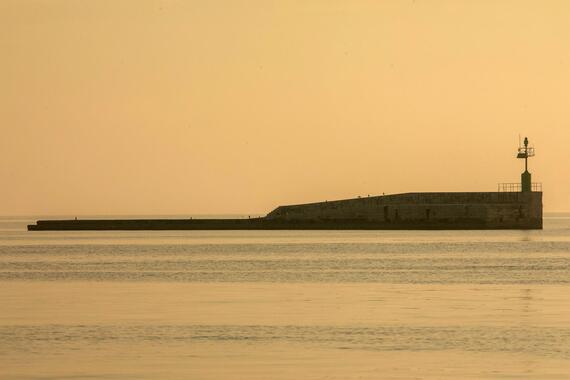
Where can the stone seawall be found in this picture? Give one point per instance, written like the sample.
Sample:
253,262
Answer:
410,211
490,208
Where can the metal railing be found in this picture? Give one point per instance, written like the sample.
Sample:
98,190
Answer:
517,187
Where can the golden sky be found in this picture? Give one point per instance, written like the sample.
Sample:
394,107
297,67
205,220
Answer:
209,107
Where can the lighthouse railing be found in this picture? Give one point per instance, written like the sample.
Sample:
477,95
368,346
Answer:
514,187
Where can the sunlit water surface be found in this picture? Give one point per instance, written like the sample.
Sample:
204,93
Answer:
285,304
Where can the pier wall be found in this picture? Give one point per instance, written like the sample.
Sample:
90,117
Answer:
411,211
498,209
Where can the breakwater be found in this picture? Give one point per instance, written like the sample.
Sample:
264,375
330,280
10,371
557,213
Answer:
421,211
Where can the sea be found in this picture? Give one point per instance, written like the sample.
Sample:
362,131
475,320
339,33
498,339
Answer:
285,304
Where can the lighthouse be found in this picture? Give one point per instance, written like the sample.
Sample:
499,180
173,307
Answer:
525,152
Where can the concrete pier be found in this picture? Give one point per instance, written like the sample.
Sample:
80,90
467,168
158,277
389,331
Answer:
408,211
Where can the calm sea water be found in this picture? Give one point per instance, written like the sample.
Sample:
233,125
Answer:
285,304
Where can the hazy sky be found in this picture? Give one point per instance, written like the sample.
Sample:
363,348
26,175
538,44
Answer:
193,107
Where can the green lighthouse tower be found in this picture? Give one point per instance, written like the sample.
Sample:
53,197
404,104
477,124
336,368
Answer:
525,152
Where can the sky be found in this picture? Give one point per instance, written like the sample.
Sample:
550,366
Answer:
235,107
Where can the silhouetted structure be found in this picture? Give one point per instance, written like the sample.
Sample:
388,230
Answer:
526,152
513,206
